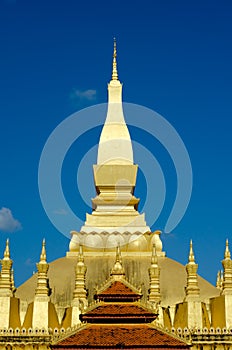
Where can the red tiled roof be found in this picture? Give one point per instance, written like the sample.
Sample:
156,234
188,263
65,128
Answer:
119,313
118,290
112,336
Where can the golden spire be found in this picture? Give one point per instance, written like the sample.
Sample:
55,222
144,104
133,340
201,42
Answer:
191,254
7,250
154,276
43,256
43,288
227,271
80,255
118,269
118,255
6,277
80,292
192,289
154,259
227,251
114,71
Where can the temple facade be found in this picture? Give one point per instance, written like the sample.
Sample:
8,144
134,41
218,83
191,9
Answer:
115,288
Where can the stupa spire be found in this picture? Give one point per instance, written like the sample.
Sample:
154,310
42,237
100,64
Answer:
79,301
115,145
6,275
7,251
227,271
42,279
227,251
118,270
7,289
80,292
43,256
114,70
192,288
191,254
42,293
154,275
115,217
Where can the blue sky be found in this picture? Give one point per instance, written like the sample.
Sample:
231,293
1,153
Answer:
174,58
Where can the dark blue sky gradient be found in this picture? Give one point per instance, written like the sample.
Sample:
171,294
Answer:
173,56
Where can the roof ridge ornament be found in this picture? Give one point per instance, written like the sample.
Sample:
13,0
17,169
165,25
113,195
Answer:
118,270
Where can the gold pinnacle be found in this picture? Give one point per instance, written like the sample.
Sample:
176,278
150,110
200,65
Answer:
80,254
43,252
227,251
154,260
191,254
7,250
118,254
114,71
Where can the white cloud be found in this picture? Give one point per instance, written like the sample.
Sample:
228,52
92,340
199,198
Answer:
80,95
7,222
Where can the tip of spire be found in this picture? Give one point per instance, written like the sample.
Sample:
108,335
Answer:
7,250
154,259
118,268
115,45
118,253
191,254
80,258
227,251
43,252
114,70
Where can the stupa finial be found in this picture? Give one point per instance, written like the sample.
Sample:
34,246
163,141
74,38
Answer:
154,276
154,259
7,250
43,288
227,271
227,250
43,252
191,253
118,269
192,289
114,70
5,275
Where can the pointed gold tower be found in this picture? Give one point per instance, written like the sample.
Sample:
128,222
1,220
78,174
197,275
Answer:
118,271
42,290
227,271
154,295
6,288
40,316
9,305
114,219
115,145
79,302
80,292
192,289
222,306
